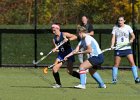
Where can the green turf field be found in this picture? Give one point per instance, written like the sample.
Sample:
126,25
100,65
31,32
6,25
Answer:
32,84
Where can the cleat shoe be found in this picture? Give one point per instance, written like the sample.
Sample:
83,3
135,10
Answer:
137,80
56,86
80,86
114,81
104,86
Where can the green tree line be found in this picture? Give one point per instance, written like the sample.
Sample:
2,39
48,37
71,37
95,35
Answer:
67,11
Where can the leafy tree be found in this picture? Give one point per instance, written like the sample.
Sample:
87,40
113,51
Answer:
67,11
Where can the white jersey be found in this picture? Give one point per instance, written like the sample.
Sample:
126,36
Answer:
88,40
122,35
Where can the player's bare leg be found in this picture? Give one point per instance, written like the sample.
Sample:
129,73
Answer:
56,74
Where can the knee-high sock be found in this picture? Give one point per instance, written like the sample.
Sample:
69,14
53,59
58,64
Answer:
134,72
82,76
76,74
98,79
57,78
114,72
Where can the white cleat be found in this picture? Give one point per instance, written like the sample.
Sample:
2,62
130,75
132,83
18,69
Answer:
114,81
56,86
80,86
104,86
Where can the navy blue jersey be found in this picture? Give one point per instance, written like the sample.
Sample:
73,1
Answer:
66,46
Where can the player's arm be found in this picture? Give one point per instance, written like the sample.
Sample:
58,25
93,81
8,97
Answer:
69,36
113,40
73,52
55,47
88,46
132,37
54,43
88,50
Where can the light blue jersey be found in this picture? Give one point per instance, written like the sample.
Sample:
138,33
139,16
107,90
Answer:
88,40
96,59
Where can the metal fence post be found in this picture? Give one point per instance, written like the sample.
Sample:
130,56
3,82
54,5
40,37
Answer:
0,50
100,40
133,26
138,50
35,31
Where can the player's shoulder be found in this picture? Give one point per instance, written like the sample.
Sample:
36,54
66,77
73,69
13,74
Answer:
115,27
65,33
89,38
127,26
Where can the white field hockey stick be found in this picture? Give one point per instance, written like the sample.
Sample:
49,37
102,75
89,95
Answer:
47,54
108,49
118,46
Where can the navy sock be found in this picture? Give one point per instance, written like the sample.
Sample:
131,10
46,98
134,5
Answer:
57,78
76,74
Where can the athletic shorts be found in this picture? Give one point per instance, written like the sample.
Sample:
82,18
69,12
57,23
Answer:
61,55
123,53
96,60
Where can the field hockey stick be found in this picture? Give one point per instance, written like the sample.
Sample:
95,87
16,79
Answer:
45,70
112,48
108,49
47,54
118,47
56,63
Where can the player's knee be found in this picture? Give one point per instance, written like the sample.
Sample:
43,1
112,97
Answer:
116,65
81,66
92,71
54,70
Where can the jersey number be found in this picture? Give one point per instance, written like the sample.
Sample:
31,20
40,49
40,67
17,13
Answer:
62,49
122,39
